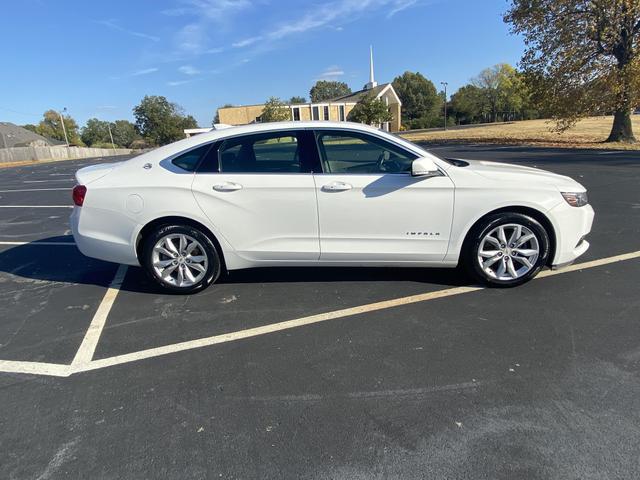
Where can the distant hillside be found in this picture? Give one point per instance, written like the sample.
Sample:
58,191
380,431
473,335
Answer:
12,135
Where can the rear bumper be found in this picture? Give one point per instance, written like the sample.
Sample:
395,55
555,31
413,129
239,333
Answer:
572,225
96,241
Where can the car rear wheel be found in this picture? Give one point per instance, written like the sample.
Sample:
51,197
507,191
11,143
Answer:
507,249
180,259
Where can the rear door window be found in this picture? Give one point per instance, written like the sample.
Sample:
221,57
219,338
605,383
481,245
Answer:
274,152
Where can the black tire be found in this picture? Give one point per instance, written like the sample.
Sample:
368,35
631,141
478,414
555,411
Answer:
470,254
206,247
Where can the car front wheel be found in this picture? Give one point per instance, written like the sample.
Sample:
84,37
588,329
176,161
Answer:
180,259
507,249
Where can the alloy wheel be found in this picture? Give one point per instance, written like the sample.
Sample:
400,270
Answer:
508,252
179,260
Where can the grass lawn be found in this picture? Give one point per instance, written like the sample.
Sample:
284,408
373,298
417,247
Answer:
588,133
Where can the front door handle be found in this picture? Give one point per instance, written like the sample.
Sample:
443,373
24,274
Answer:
227,187
337,187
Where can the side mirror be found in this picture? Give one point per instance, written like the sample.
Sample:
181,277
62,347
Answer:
423,166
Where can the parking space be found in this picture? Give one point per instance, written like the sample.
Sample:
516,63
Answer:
320,373
31,224
48,294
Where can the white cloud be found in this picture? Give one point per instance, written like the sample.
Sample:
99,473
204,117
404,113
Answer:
192,39
176,83
246,42
144,71
334,13
400,5
217,10
137,73
114,26
188,70
332,72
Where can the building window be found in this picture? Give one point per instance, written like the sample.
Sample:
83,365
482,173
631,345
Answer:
326,113
315,113
258,120
296,114
341,108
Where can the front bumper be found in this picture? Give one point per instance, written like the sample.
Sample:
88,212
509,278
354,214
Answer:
571,225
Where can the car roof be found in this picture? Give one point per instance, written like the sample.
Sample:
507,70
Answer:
197,140
275,126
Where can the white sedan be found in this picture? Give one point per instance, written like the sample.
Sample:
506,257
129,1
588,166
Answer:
322,193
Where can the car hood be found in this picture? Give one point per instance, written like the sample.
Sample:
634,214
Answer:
506,172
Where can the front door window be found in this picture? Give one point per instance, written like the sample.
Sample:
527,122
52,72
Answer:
355,152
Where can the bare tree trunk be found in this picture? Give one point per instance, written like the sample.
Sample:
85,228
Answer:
622,130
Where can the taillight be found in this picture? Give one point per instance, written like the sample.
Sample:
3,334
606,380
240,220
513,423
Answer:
79,192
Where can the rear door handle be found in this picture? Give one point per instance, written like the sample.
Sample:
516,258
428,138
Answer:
227,187
337,187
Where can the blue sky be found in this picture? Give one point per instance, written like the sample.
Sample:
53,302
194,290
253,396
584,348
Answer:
99,58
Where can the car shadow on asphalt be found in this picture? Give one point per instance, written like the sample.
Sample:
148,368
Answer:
61,263
438,276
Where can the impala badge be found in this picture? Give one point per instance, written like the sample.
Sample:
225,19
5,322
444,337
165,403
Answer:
423,234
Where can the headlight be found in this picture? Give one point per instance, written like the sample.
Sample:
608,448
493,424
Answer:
576,199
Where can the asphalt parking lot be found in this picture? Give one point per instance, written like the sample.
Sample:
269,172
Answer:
333,373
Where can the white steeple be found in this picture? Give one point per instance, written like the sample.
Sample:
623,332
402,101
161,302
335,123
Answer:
372,82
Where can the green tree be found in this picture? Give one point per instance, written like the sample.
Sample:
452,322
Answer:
582,58
95,131
275,110
467,104
295,100
328,89
503,92
188,122
488,83
418,95
51,126
124,133
159,121
370,110
31,127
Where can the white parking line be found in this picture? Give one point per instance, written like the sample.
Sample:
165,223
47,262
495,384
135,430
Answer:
48,181
90,340
35,368
82,361
36,206
323,317
36,190
274,327
36,242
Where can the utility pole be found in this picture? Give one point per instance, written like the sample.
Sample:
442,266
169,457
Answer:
445,103
113,145
64,129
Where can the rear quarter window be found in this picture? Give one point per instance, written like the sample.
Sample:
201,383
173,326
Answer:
189,160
